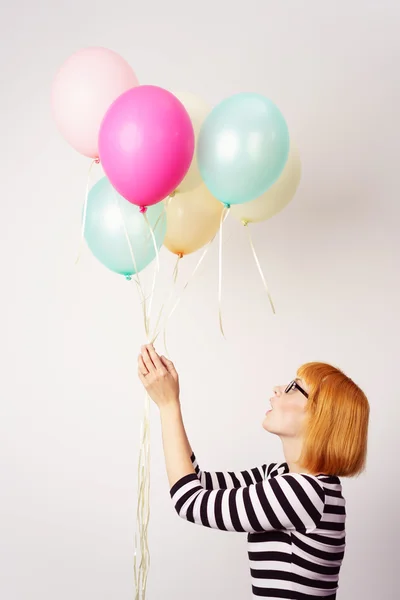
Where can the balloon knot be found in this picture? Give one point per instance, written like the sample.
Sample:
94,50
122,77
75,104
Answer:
180,255
97,160
227,205
143,209
128,277
244,222
172,194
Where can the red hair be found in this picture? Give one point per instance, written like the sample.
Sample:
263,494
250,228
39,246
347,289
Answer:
336,434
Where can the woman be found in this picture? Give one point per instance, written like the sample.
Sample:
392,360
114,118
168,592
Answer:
294,512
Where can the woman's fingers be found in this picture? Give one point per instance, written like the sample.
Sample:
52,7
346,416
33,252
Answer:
158,376
155,359
168,364
142,378
148,360
143,370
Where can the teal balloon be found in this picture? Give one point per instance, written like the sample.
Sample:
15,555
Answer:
106,234
242,148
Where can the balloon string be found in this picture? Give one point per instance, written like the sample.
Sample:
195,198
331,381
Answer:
153,238
197,267
176,268
160,216
141,570
174,276
257,261
156,272
166,302
95,161
174,281
163,213
143,475
143,508
141,547
224,215
141,567
155,331
136,277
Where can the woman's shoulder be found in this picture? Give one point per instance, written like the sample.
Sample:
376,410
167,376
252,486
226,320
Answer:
275,469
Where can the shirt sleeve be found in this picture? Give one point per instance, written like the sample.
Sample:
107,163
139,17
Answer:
225,480
293,502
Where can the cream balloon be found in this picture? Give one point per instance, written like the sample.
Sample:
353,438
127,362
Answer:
276,197
193,219
198,110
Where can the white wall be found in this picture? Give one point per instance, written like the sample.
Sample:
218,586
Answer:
70,401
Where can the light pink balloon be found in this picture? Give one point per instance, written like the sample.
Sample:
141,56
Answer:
146,144
84,88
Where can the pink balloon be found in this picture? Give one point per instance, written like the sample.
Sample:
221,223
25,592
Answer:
146,144
84,88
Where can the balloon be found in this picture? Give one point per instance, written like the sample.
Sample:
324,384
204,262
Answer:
277,197
146,144
243,147
193,219
105,232
86,85
198,109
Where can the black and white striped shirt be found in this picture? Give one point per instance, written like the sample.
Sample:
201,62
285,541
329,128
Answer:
295,524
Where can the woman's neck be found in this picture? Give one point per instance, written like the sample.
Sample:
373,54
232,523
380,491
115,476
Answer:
292,448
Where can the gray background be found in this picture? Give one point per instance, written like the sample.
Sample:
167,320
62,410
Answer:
70,401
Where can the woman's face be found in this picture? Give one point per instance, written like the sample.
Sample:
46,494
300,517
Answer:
287,416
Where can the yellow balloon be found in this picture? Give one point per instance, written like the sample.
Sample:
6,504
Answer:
193,219
276,197
198,110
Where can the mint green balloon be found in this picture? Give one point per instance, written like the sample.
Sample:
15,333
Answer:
105,233
242,148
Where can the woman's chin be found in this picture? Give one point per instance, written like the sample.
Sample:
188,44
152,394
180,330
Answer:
267,423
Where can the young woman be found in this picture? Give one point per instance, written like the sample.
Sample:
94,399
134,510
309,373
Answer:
293,512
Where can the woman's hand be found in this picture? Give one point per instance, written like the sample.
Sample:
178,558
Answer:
161,381
159,377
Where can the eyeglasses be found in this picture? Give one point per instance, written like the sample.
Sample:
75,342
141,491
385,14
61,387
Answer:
293,385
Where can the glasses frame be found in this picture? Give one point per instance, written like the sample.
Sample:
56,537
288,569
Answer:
294,385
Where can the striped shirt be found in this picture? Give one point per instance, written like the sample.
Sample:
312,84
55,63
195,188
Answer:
295,524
